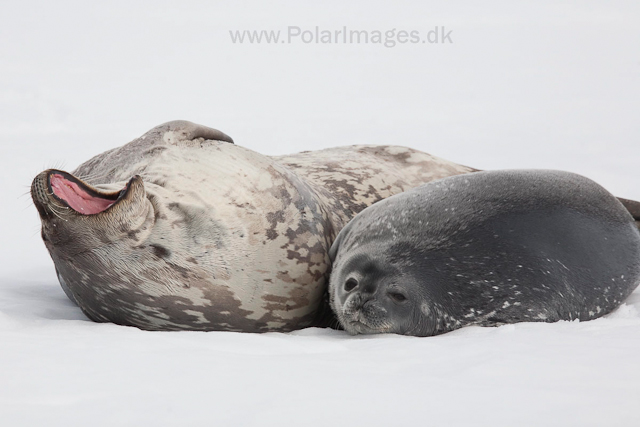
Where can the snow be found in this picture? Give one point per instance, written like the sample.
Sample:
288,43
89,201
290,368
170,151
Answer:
540,85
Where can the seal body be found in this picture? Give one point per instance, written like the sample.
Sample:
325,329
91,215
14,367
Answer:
181,229
484,249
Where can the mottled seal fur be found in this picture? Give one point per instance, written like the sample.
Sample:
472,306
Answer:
484,249
183,230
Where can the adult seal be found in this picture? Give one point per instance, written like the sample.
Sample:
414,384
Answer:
485,249
181,229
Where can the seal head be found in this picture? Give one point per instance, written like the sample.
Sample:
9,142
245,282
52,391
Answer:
376,298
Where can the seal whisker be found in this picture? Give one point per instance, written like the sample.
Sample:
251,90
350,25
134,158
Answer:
29,205
56,212
53,211
57,164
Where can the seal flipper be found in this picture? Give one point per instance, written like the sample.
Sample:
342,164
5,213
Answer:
325,316
188,131
633,207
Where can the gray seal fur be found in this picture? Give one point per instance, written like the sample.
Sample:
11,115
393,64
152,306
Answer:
206,235
485,249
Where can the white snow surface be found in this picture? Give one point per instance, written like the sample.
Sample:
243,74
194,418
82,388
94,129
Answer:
546,84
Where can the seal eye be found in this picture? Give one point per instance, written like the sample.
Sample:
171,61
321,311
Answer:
397,296
350,284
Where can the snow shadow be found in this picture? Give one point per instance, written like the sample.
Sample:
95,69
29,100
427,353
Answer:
36,300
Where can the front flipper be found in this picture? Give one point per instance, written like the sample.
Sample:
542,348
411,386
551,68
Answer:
184,130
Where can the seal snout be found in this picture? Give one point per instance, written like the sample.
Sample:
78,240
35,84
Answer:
40,194
65,190
362,313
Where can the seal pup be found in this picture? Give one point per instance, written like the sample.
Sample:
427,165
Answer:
181,229
485,249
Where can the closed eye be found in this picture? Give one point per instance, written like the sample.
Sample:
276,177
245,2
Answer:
397,296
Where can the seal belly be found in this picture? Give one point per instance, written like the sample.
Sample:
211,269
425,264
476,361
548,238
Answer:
535,266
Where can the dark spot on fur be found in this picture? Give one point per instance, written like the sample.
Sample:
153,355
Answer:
160,251
274,218
185,273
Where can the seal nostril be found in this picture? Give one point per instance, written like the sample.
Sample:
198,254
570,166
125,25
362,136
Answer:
350,284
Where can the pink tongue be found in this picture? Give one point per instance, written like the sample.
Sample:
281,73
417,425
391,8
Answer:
78,199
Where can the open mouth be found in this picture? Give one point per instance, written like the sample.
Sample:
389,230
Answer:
79,196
